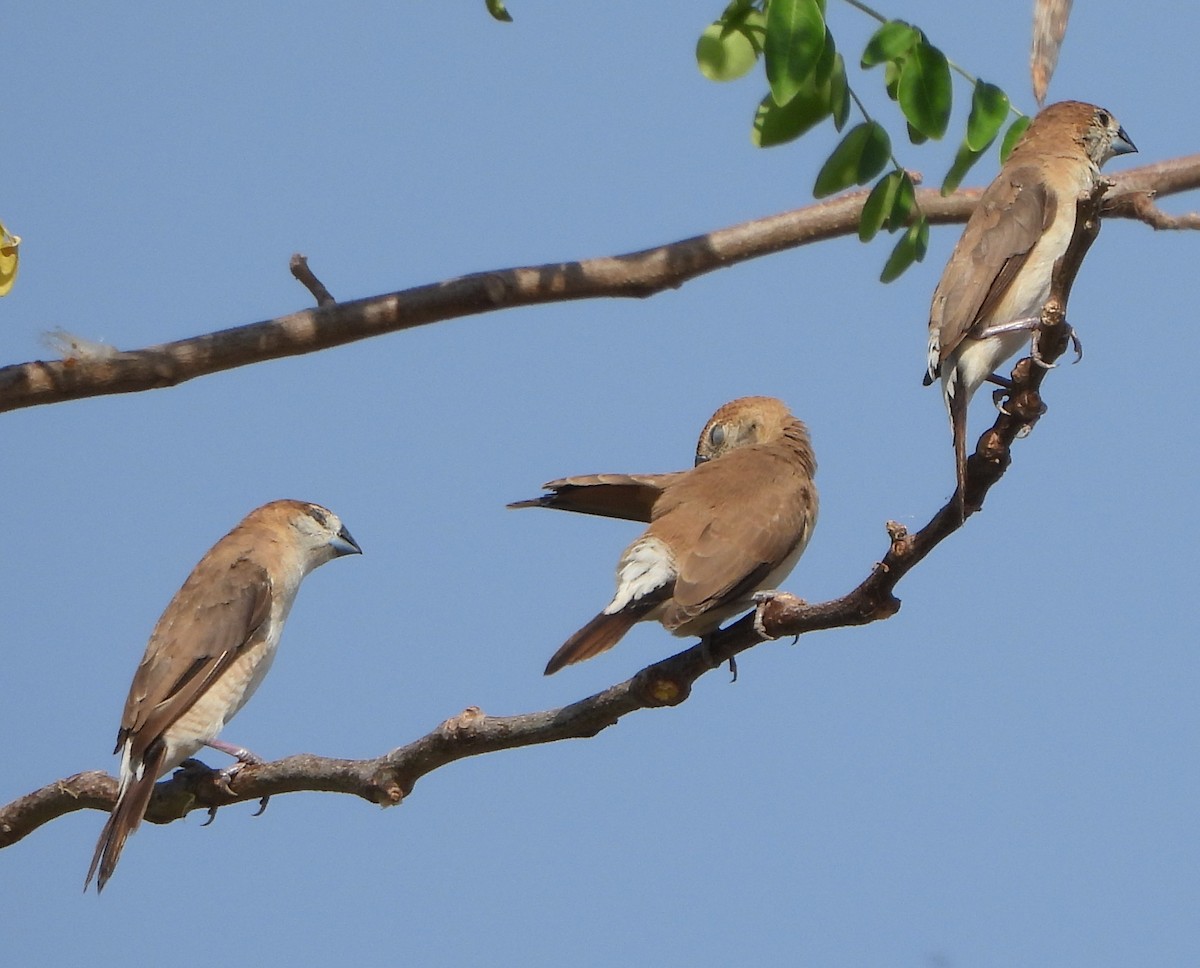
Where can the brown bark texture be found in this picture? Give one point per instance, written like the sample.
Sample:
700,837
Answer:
634,274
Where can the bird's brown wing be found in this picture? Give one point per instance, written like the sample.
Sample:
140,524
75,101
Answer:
211,621
630,497
1012,215
731,523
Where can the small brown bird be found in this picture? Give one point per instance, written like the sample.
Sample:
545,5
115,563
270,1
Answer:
734,524
210,650
997,281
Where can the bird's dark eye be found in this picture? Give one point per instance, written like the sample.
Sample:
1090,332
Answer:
1103,118
318,515
716,436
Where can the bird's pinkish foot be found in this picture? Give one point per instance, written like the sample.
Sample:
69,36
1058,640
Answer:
762,599
1021,325
1036,353
226,776
239,753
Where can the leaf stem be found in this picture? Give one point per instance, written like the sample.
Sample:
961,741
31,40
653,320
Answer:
862,109
869,11
962,72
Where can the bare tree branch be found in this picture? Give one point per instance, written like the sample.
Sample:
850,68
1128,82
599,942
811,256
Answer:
1140,205
387,779
635,274
305,276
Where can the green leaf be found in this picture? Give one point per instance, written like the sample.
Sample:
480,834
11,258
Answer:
775,125
811,104
795,38
1012,136
728,49
878,205
989,108
890,42
963,160
911,248
861,156
891,78
902,207
826,62
497,10
915,136
925,90
839,93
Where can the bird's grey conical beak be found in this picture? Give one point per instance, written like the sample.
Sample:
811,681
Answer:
702,459
344,544
1122,144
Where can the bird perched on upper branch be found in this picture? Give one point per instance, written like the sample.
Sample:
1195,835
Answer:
734,524
210,650
997,281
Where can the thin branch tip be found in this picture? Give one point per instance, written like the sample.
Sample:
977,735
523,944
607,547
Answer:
298,264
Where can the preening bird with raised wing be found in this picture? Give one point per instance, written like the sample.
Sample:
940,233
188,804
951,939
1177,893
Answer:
993,289
210,650
733,525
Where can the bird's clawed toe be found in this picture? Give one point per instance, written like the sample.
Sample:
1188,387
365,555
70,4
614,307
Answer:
762,599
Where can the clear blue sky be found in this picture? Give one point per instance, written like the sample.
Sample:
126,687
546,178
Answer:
1003,774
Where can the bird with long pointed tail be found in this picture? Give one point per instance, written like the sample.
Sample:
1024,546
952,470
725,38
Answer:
733,525
992,291
210,650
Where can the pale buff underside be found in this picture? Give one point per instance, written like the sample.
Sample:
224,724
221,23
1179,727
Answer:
974,360
221,702
224,697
